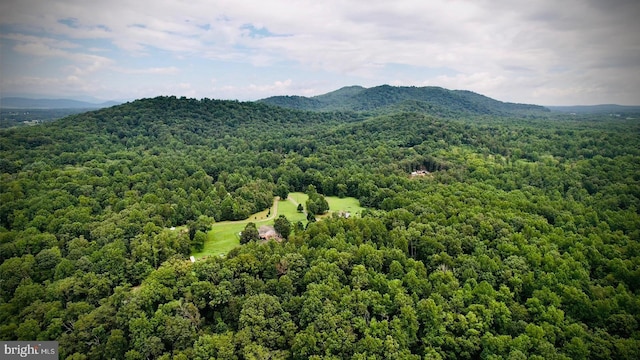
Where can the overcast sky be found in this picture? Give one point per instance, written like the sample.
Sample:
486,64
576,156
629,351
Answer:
546,52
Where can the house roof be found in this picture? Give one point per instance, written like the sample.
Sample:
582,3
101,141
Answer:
267,232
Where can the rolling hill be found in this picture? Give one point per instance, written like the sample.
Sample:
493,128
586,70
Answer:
389,99
520,240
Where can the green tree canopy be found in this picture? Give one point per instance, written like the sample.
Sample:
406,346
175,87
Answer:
282,226
250,233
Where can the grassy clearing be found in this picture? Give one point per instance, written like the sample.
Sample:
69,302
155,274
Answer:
221,239
289,209
224,236
347,204
298,197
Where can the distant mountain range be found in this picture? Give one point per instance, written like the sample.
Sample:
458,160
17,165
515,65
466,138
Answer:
597,109
387,99
382,99
26,103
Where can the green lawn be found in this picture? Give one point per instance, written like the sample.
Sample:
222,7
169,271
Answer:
224,235
289,209
221,239
347,204
300,198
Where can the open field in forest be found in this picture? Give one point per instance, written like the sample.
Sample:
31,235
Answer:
224,235
298,197
347,204
289,209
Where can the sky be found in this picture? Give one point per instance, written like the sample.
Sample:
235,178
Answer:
548,52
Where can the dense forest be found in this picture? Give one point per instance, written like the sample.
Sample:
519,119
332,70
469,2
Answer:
520,238
391,99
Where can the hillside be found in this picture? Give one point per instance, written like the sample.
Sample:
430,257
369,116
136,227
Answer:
519,241
389,99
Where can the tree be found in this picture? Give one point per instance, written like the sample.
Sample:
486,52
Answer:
310,217
46,261
116,344
323,205
262,321
220,346
203,223
198,240
28,330
227,208
282,226
250,233
282,191
317,204
300,208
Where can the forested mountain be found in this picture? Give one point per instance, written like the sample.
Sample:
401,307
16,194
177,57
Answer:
520,240
389,99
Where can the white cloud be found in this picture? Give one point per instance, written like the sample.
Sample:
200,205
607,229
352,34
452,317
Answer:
69,85
29,39
278,86
81,63
170,70
253,91
544,51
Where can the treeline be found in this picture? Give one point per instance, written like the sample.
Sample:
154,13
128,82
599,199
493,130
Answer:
522,242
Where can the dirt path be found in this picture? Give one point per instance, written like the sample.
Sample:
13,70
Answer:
274,209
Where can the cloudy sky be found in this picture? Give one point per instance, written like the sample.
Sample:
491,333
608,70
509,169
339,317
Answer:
546,52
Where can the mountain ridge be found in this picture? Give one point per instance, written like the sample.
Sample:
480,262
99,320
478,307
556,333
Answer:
386,98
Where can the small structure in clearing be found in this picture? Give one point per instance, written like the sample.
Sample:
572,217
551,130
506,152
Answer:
420,173
268,232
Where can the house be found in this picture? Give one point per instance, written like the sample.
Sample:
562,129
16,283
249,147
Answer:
267,232
420,173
